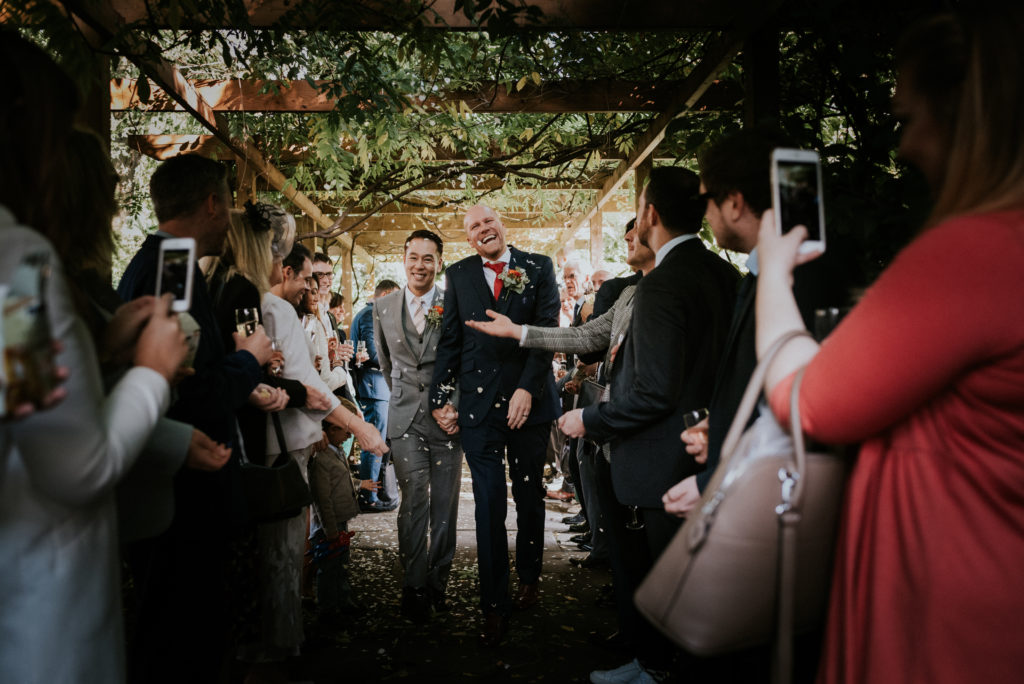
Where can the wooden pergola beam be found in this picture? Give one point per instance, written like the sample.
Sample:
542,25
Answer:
243,95
162,147
600,15
106,21
701,76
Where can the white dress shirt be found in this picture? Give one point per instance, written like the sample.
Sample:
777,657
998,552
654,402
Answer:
490,275
411,298
668,246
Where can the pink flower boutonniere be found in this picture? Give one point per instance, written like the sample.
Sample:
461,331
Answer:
435,315
514,280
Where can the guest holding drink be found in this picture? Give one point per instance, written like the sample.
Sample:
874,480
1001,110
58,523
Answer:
928,372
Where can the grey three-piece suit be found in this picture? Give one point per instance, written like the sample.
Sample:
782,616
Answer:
427,461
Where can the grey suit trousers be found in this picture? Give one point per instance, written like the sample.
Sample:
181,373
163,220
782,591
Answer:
429,475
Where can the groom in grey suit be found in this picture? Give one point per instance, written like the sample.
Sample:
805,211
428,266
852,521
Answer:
428,461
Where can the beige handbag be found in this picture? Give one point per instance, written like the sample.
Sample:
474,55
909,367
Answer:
754,560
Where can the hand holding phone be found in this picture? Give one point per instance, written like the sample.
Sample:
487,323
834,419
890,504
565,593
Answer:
796,195
175,271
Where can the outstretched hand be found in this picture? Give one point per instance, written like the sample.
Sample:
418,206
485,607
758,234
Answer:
498,326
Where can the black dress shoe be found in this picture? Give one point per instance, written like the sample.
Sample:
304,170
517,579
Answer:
579,538
580,527
573,519
586,546
438,601
492,629
415,604
528,595
589,562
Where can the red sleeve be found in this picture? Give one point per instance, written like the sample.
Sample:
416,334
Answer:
949,301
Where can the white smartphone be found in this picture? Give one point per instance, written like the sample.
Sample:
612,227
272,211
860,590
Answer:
796,195
175,270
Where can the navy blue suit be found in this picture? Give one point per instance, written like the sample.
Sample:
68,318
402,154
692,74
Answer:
373,394
488,371
179,575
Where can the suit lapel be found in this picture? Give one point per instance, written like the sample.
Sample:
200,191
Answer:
430,332
475,266
506,293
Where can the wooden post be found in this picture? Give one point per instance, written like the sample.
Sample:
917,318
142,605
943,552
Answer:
246,182
345,243
596,240
643,171
761,77
95,111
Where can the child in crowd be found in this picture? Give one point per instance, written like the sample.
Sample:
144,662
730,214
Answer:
334,503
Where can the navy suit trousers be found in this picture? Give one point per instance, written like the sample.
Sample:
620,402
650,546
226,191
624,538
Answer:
486,446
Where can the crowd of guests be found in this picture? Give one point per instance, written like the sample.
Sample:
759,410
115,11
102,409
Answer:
135,449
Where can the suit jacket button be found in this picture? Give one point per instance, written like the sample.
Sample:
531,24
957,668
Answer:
421,387
419,366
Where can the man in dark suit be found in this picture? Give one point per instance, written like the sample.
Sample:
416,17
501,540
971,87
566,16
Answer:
664,368
179,575
506,405
372,393
736,178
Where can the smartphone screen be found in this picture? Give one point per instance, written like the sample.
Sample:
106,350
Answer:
174,274
27,374
799,197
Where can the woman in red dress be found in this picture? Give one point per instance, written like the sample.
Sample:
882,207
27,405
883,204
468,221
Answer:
928,373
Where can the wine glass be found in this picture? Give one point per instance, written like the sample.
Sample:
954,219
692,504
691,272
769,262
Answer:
691,418
276,365
351,351
246,320
635,523
360,349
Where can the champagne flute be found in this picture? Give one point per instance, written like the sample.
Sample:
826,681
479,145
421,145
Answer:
360,349
635,523
276,365
246,320
351,352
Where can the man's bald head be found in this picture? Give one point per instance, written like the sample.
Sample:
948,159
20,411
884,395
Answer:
485,231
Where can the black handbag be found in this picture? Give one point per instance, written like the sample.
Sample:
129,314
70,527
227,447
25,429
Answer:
278,491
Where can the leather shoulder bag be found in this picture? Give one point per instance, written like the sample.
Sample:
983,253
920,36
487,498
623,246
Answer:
753,561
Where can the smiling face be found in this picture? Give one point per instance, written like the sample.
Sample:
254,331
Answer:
421,264
324,275
295,283
485,232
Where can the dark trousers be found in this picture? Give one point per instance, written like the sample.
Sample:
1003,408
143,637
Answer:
485,446
631,554
183,615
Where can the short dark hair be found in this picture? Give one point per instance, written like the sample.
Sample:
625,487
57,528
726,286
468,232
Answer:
630,225
675,192
741,162
321,258
337,299
424,234
181,184
384,286
297,257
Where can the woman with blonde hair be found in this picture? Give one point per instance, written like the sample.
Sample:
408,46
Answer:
928,373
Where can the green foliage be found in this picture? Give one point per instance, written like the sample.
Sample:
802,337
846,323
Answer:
385,141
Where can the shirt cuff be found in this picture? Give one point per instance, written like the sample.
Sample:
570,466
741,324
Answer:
522,335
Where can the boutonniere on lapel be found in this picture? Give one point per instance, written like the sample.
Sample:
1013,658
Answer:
435,315
514,279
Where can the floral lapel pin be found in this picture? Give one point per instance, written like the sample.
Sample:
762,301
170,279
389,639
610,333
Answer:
435,315
514,280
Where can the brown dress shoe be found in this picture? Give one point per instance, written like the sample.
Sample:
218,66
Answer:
492,629
528,595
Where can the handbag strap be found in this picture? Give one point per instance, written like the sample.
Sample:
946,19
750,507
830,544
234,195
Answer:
283,457
754,388
788,512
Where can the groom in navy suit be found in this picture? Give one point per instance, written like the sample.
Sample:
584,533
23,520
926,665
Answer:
506,403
